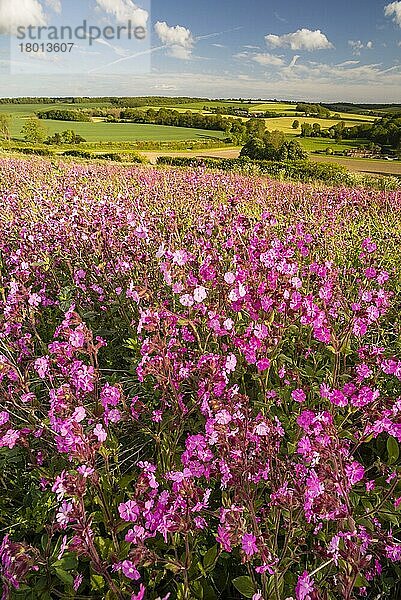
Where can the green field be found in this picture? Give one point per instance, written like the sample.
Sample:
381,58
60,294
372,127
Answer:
130,132
103,132
319,144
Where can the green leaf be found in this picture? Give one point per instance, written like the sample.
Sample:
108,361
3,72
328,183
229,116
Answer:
197,590
65,577
360,581
393,450
244,585
210,558
68,562
97,582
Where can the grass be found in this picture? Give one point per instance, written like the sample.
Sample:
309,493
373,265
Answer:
130,132
316,144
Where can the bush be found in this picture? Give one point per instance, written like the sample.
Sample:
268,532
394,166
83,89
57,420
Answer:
36,151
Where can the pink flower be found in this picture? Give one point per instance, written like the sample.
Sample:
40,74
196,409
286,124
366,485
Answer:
369,245
77,339
129,511
355,472
63,515
298,395
337,398
9,439
129,570
249,544
304,587
100,433
223,417
77,582
263,364
229,278
231,363
223,537
4,417
187,300
42,366
261,429
79,414
141,594
110,395
200,294
34,300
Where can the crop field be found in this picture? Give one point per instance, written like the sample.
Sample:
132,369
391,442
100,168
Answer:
200,382
129,132
284,124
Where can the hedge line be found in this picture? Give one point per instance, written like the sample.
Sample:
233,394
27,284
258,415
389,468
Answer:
303,171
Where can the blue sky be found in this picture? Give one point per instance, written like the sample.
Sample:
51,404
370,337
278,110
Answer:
311,50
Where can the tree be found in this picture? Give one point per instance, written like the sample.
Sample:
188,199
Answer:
255,148
306,130
316,128
255,127
65,137
295,124
5,126
33,131
276,138
268,148
295,151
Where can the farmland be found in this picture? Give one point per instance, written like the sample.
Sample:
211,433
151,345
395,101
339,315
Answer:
103,132
200,379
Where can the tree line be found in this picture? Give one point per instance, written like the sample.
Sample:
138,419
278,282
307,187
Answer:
59,114
384,132
313,110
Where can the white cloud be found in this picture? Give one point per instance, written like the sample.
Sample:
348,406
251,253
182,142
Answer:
54,5
357,46
268,59
303,39
348,63
294,60
178,40
394,10
349,73
20,14
265,59
124,11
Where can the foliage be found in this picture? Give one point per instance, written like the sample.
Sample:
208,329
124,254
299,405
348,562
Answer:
65,137
313,109
5,122
34,131
273,146
64,115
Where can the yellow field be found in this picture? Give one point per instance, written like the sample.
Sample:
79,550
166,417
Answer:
284,124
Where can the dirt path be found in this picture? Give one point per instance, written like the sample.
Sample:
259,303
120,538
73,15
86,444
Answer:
378,167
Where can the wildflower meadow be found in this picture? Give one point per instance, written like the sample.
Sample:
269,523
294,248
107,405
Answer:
200,386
